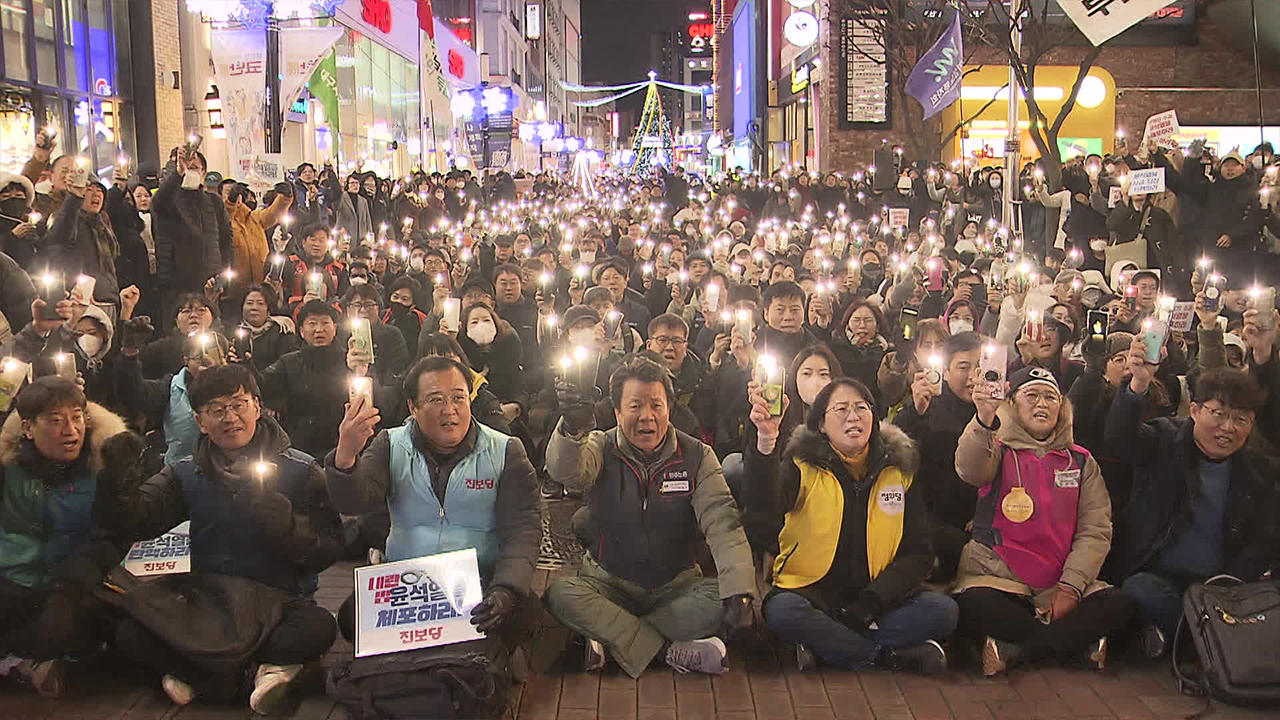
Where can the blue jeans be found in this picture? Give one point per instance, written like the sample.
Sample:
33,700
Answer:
926,616
1159,601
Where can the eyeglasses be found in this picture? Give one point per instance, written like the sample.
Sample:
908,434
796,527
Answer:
438,401
841,412
1240,420
219,412
366,305
665,340
1048,398
199,309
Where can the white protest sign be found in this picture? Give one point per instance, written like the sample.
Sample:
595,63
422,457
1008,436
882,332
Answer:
265,170
1145,182
1114,196
899,217
1101,20
1162,129
418,603
1180,316
169,554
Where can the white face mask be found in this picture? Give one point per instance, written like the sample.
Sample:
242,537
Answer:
995,181
1097,244
809,387
482,333
415,263
44,187
90,344
191,180
960,325
587,256
359,280
581,336
1256,162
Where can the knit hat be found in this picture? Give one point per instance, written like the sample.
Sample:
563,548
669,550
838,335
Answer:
578,312
1066,277
1031,376
1118,342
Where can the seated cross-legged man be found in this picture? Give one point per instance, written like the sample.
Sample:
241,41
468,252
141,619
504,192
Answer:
651,490
262,528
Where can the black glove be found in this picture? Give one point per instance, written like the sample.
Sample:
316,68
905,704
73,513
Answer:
738,614
579,410
270,511
493,610
136,333
859,614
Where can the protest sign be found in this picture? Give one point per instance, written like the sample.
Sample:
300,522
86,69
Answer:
899,217
1180,316
169,554
1162,129
418,603
1101,20
1145,182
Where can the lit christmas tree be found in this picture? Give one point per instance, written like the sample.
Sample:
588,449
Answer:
653,144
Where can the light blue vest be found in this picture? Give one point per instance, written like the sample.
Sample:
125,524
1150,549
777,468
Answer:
180,428
420,526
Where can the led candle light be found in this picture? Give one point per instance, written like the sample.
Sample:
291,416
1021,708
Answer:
770,375
84,289
362,337
315,285
449,320
66,366
933,372
12,372
1263,299
1034,330
712,296
744,325
361,386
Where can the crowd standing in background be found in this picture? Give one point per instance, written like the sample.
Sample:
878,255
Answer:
871,414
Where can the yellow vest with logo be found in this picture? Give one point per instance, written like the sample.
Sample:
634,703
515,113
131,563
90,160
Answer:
811,531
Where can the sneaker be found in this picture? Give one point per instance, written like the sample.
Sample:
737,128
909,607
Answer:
48,678
805,659
1096,659
271,687
376,556
706,655
927,658
552,490
179,692
595,656
998,656
1153,642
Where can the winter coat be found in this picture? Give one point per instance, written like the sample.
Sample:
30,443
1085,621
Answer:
249,235
862,362
1165,480
275,339
353,216
80,243
1165,249
16,292
1230,207
1079,508
133,264
840,539
192,235
949,500
308,387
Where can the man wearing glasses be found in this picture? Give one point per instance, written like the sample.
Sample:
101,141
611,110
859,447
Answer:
262,528
669,337
1201,505
390,353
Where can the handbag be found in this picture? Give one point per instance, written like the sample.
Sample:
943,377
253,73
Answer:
1235,629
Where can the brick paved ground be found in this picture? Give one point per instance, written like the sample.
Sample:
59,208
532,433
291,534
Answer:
758,685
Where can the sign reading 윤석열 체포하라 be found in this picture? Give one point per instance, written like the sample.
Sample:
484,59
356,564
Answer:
416,603
864,74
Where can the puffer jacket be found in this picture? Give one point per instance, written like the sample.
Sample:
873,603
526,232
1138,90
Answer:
308,387
83,243
192,236
249,236
984,458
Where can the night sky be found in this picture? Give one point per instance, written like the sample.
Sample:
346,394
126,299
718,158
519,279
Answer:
615,38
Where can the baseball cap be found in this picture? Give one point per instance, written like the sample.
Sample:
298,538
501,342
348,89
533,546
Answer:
1032,376
212,179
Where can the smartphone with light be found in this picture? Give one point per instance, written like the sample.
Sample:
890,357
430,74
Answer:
1153,333
993,366
1264,301
1212,295
612,321
53,290
908,320
1099,323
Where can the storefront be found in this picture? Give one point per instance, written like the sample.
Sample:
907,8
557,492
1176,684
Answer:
66,64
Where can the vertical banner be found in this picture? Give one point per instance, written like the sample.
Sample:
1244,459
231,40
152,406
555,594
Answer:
437,114
323,86
935,80
240,70
301,51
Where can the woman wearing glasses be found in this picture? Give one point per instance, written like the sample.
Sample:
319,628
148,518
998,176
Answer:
840,509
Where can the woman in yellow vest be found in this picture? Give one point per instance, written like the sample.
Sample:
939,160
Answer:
851,536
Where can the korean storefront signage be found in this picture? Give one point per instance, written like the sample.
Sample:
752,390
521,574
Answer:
864,73
390,23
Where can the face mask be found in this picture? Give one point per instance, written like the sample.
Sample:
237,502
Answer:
359,280
482,333
581,336
1098,244
1256,162
90,344
995,181
960,325
810,387
415,263
44,187
872,271
587,256
14,207
191,180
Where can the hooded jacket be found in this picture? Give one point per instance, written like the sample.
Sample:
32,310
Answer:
986,459
192,235
840,539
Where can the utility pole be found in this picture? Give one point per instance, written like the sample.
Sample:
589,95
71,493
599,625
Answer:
1012,143
275,116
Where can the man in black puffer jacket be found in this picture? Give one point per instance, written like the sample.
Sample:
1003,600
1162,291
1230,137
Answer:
1231,220
191,229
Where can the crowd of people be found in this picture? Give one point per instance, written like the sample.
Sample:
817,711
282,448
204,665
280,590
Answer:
886,420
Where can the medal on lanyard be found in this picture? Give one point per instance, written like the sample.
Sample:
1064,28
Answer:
1018,506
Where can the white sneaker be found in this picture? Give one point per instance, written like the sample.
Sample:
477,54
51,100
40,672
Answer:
706,655
178,691
271,687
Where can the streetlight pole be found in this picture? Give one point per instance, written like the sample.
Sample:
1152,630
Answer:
275,118
1012,143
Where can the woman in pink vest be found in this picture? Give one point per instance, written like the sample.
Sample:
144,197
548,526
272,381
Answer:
1028,580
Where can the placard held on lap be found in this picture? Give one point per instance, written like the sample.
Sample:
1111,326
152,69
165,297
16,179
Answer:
417,603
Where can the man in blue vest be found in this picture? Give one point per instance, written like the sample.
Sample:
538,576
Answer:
451,484
260,516
652,492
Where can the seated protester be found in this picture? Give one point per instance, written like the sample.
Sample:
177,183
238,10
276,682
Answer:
669,338
260,516
1106,371
639,594
844,489
309,386
861,341
1047,352
311,259
1202,503
166,401
613,275
696,308
54,551
783,335
1028,581
402,310
625,338
936,422
682,418
520,312
424,472
266,334
494,349
898,369
390,355
485,406
194,313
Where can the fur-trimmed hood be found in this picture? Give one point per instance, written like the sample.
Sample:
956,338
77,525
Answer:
7,179
102,424
891,447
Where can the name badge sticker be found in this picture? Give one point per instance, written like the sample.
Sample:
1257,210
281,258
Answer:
674,486
1066,478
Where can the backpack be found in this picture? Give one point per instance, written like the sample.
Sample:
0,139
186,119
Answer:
463,680
1235,629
